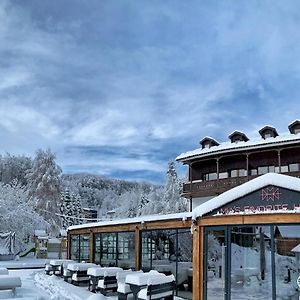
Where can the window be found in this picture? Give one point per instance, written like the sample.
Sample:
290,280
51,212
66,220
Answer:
297,130
84,247
253,172
223,175
126,245
80,247
209,176
294,167
109,248
284,169
148,246
238,173
75,247
268,135
265,169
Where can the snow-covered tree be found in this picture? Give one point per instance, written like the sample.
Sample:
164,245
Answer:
70,209
44,185
155,204
172,201
17,213
129,204
14,168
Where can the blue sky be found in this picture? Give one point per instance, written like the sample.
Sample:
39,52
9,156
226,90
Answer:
119,88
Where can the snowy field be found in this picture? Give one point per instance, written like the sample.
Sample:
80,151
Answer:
36,285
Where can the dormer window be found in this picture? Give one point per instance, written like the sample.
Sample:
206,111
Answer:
268,132
208,142
294,127
267,135
238,136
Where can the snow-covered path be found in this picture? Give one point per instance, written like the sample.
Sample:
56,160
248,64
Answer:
29,290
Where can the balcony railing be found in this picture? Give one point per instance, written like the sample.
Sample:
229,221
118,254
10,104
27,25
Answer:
216,187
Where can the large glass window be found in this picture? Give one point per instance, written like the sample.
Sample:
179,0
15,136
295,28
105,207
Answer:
251,272
115,249
170,251
252,262
215,276
80,247
126,250
97,248
108,249
287,261
84,247
74,249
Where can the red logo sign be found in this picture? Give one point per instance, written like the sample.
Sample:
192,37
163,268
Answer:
270,194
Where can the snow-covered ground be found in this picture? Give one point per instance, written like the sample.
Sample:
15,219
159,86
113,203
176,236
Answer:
36,285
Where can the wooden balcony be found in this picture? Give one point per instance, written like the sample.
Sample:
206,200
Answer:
216,187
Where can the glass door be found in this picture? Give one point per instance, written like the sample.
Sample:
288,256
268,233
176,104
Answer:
215,263
251,264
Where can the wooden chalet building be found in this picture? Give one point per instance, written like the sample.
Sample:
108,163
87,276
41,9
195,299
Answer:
240,242
217,167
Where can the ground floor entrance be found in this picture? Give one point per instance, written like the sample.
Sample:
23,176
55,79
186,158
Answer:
251,262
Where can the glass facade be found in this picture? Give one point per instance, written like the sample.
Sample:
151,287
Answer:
252,262
169,251
115,249
80,247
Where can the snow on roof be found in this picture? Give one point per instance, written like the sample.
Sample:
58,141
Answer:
233,147
289,231
141,219
279,180
296,249
63,232
236,132
292,123
40,233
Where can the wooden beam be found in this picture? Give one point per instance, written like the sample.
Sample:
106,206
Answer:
152,225
92,244
137,249
197,254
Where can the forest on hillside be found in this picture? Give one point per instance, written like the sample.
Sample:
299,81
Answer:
34,194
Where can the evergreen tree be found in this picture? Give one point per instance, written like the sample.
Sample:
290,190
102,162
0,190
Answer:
70,209
172,200
44,185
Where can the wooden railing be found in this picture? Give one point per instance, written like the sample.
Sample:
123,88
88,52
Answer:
216,187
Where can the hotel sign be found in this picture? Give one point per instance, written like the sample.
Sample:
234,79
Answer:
266,200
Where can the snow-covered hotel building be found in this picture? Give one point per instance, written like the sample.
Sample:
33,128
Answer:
242,238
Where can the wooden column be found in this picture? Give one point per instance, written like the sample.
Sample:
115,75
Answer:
247,165
137,248
217,161
92,246
197,262
190,173
68,246
279,160
191,186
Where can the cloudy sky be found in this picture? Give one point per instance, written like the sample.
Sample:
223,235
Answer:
119,88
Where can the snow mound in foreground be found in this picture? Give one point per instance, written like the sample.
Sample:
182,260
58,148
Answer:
97,297
59,289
